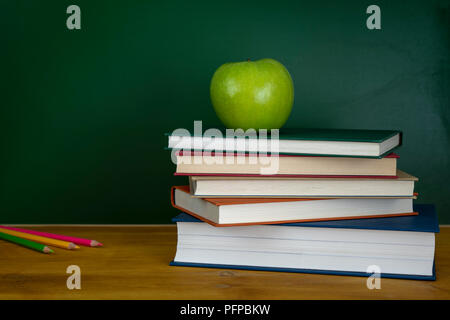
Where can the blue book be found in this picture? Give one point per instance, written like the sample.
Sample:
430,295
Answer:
402,247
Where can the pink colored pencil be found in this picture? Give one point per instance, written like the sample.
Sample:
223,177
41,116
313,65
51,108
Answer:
80,241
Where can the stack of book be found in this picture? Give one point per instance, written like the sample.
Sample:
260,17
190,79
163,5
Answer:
327,201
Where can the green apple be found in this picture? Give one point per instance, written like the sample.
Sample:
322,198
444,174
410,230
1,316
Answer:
252,94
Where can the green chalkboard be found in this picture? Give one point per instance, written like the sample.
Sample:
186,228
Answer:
84,112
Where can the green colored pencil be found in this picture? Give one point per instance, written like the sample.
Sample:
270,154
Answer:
26,243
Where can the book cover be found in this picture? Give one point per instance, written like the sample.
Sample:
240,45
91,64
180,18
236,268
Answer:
260,185
425,221
311,271
223,155
237,153
235,201
312,176
319,134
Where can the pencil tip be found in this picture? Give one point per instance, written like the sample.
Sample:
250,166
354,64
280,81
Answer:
47,250
73,246
95,243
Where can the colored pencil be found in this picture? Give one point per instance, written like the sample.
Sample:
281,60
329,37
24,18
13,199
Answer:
80,241
26,243
43,240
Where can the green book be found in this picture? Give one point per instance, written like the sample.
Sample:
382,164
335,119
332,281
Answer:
304,141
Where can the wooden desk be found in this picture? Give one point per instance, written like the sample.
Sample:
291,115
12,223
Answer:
134,265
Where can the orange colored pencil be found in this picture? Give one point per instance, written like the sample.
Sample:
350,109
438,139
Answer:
43,240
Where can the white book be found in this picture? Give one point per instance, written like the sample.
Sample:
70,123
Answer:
225,186
226,212
340,142
394,245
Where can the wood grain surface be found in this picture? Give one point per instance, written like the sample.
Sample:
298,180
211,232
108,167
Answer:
133,264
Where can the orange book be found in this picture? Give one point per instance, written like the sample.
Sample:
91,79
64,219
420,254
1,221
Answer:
224,212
